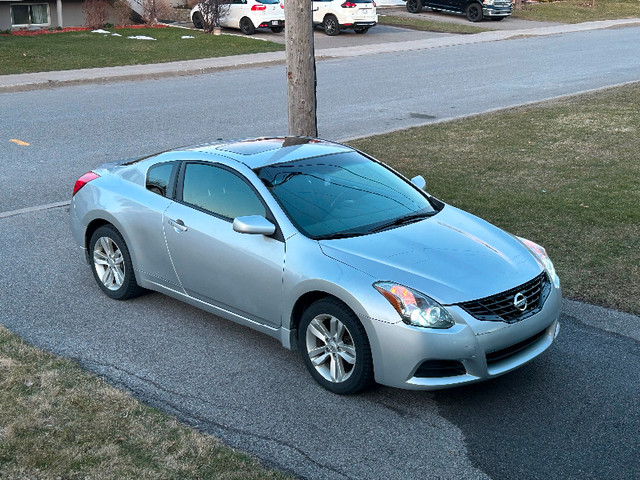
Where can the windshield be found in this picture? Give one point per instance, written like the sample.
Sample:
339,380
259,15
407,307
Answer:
343,194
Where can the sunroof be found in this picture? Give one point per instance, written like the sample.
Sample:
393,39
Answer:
252,147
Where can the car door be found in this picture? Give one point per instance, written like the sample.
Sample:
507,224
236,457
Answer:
238,272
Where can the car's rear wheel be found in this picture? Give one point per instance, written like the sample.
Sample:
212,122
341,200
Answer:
197,20
335,347
277,29
474,12
247,27
331,25
111,264
361,29
414,6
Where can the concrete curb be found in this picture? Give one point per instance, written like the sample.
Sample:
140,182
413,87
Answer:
33,81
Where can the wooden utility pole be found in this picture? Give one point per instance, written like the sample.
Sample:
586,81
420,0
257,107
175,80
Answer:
301,68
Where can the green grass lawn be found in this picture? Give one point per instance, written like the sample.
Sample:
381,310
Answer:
576,11
418,23
70,50
565,174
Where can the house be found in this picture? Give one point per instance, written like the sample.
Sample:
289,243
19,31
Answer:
17,14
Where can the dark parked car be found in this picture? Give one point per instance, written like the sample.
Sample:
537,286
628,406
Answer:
474,10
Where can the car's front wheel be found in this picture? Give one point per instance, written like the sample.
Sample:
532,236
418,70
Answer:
111,264
197,20
474,12
331,25
247,27
335,347
414,6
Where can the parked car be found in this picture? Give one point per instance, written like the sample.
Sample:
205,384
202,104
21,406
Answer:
336,15
326,249
247,15
474,10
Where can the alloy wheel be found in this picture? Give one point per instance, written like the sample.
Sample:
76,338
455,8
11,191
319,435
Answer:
109,263
331,348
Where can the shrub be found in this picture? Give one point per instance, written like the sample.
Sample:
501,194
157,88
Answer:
95,12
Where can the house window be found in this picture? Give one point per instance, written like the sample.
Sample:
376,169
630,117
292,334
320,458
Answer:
33,14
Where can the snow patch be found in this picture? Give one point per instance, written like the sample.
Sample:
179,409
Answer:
100,31
187,36
141,37
116,35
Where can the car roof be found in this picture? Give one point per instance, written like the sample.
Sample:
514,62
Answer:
260,152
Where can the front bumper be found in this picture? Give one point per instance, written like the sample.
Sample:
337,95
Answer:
496,11
471,351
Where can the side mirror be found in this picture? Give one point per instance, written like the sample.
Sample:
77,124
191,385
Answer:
419,182
254,224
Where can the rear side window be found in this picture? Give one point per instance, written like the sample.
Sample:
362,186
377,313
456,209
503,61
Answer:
159,179
220,192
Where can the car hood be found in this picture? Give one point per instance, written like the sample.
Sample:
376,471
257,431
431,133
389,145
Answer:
452,257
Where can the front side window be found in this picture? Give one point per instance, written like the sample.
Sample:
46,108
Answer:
34,14
220,192
343,194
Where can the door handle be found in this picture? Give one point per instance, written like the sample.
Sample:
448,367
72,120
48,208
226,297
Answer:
178,225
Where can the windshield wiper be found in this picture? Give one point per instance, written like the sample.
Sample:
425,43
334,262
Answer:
407,219
333,236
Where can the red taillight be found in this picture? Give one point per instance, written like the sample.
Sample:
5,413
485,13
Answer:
374,4
83,180
282,5
348,5
258,8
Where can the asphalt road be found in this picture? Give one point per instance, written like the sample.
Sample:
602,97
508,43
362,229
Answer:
73,129
572,413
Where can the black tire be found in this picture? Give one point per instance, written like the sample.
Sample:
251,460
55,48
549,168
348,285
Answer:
277,29
197,20
474,12
497,19
348,342
331,25
414,6
111,264
246,26
361,30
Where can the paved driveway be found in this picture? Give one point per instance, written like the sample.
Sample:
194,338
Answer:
348,38
508,23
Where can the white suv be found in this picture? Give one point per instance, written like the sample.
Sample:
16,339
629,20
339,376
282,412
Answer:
247,15
335,15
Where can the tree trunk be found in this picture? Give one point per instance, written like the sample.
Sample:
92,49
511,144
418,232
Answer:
301,68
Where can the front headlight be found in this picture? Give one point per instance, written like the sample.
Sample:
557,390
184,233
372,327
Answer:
541,254
488,2
414,307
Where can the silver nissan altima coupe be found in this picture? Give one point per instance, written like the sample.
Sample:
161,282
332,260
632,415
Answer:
326,249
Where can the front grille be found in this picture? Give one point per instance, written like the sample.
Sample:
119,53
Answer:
498,355
502,308
439,369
